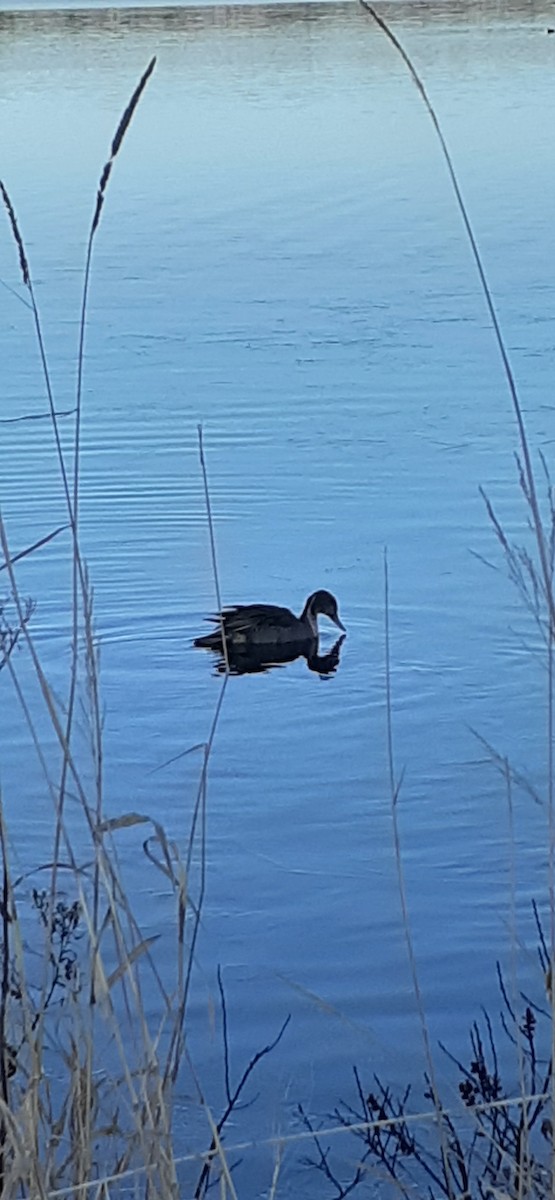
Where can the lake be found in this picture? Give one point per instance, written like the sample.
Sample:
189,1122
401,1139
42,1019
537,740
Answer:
281,259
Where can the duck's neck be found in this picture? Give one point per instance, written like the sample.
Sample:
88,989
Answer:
309,617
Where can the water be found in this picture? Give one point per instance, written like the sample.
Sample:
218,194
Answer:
281,259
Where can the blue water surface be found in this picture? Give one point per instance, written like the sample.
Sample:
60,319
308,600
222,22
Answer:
281,259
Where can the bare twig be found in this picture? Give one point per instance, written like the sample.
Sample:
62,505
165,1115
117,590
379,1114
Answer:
232,1100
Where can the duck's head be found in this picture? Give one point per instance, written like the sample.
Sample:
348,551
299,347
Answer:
323,604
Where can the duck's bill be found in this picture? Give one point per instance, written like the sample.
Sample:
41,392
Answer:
339,624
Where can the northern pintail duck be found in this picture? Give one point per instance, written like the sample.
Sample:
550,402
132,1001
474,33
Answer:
247,625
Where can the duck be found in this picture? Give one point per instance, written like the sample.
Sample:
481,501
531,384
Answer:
251,625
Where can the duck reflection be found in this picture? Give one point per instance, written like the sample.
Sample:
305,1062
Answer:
253,660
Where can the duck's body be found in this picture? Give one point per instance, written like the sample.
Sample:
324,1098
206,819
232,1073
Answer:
247,625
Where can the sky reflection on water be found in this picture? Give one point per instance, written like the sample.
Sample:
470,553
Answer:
280,258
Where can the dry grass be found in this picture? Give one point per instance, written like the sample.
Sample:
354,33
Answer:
87,1074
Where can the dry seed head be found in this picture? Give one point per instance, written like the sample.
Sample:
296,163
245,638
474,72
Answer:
17,236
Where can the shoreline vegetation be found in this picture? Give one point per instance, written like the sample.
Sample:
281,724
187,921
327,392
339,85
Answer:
87,1075
182,15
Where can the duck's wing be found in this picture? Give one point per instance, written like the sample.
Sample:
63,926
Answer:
243,617
224,620
252,620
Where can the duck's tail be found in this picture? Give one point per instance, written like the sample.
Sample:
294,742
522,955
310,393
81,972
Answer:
210,641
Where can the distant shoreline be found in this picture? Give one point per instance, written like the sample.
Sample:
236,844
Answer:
529,13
